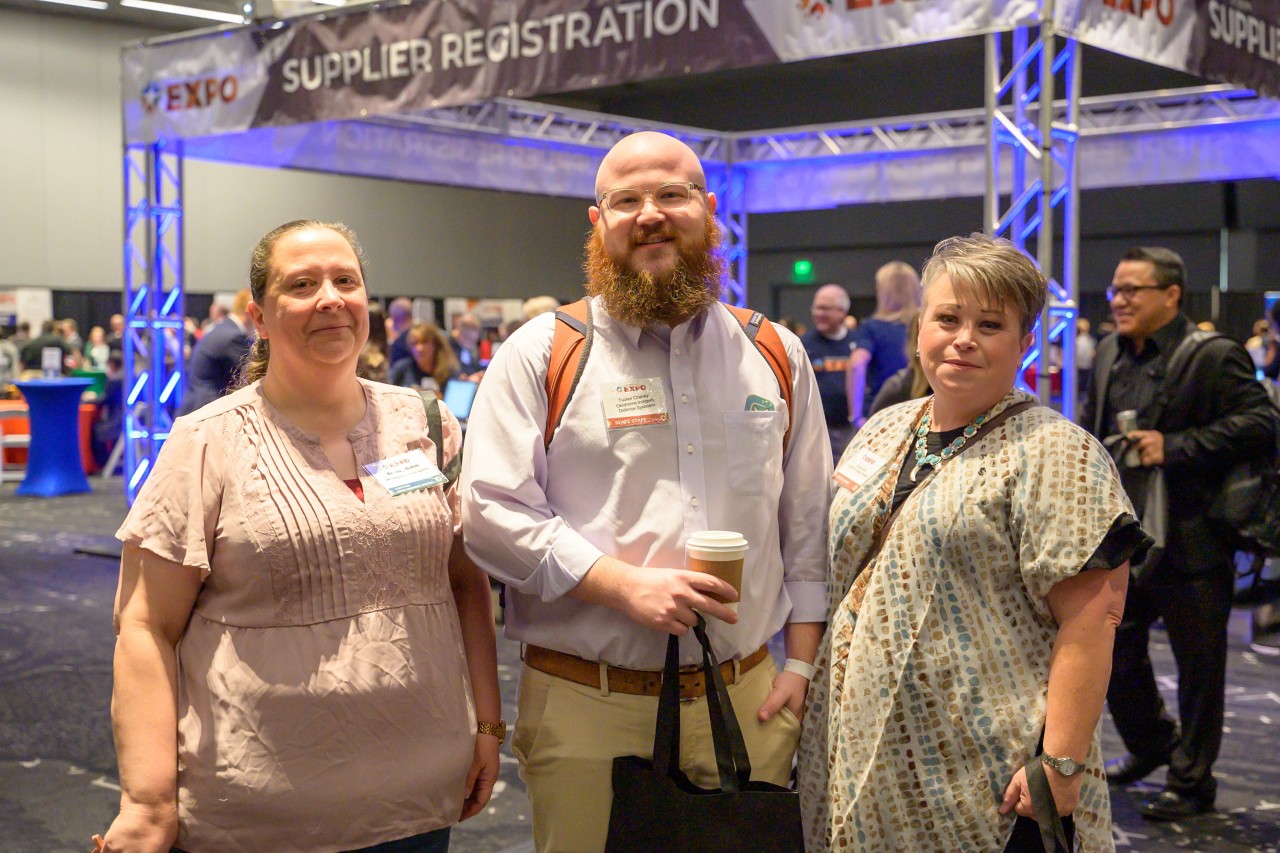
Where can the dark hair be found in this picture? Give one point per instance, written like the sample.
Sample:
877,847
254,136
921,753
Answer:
1167,266
254,366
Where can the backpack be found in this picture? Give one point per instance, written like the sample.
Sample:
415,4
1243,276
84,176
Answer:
571,344
435,431
1248,500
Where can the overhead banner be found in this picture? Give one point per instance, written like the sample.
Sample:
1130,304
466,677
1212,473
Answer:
1231,41
438,53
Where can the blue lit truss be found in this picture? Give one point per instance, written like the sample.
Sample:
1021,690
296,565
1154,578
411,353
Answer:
153,303
1039,141
1203,133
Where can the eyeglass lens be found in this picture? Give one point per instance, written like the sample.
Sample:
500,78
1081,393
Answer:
1128,292
667,197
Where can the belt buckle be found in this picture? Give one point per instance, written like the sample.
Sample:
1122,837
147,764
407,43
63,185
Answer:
687,699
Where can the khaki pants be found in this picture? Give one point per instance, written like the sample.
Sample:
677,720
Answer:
567,736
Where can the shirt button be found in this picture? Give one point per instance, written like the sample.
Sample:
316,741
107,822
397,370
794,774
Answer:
689,448
694,501
684,398
677,350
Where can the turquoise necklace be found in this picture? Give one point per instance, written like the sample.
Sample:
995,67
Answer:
933,460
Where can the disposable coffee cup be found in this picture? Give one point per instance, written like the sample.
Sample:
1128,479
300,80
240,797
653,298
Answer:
719,553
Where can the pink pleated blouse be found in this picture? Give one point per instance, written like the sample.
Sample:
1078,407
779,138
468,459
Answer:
323,699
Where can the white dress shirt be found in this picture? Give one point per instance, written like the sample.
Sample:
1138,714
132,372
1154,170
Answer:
539,519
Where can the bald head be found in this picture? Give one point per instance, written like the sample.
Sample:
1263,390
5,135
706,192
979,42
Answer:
647,151
832,294
830,307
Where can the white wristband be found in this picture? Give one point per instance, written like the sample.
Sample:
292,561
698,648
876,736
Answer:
800,668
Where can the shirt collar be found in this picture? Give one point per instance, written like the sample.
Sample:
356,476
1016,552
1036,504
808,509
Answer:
692,327
1167,337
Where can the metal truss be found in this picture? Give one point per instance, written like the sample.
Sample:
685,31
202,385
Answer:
1107,115
1040,147
153,303
533,122
730,187
1031,179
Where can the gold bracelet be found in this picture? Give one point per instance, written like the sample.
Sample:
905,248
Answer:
498,730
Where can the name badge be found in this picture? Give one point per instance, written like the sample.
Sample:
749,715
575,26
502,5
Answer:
407,472
634,403
857,469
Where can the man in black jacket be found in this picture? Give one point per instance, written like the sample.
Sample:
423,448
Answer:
1215,415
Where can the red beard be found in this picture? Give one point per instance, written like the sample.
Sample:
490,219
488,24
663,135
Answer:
643,298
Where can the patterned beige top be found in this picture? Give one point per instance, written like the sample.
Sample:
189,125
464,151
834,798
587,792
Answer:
323,699
932,695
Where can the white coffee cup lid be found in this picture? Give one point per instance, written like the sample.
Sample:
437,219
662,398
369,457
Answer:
717,540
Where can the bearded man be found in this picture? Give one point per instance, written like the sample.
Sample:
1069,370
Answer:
588,531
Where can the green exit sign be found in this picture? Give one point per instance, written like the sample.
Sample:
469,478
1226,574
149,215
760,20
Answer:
802,271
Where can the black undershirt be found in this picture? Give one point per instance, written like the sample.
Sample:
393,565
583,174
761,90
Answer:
1125,540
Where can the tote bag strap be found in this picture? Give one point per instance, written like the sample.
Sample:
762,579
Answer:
731,749
666,738
732,761
1052,835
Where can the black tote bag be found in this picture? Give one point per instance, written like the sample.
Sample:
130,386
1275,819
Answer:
655,806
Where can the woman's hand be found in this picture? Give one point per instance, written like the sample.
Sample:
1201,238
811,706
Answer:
481,777
142,829
1065,789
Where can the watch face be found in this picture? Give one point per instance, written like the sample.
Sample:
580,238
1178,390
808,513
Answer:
1065,766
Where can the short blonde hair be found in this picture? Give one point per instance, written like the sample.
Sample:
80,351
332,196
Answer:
995,270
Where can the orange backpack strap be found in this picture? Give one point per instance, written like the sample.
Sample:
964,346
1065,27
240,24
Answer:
760,332
570,346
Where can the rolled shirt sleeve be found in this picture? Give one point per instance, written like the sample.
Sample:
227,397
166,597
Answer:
511,529
806,492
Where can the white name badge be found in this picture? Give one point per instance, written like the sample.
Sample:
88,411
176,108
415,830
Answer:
407,472
634,403
857,469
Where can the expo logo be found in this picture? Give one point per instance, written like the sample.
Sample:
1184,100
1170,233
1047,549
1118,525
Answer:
1139,8
818,8
190,94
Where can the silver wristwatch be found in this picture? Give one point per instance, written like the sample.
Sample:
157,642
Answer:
1065,766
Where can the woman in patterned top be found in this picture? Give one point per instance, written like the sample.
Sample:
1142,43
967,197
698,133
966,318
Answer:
303,647
979,635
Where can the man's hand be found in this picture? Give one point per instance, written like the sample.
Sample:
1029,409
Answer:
664,599
656,598
1065,789
789,689
1150,446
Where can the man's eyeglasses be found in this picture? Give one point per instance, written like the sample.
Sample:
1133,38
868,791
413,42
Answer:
1128,291
626,201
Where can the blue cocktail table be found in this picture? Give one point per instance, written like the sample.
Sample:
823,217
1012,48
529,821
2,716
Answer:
53,459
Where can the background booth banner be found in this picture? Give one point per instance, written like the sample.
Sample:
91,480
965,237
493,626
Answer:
435,53
1233,41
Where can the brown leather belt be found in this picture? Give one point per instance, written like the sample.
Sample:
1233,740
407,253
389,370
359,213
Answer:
639,682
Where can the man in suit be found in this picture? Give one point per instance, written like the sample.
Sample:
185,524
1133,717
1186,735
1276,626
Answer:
215,361
1215,415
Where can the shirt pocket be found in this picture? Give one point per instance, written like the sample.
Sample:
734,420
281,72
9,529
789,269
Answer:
753,449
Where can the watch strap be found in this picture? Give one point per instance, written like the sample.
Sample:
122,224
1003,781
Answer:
498,730
1057,764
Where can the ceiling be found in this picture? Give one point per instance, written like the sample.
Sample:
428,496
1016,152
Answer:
165,22
853,87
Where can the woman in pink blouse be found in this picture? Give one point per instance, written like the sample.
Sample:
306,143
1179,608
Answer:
305,655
